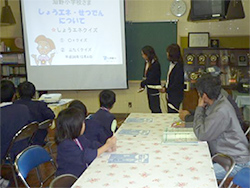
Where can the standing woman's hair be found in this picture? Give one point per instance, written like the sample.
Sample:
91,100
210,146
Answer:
149,52
174,53
69,124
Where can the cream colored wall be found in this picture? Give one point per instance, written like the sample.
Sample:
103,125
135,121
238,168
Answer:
138,100
145,10
12,31
159,10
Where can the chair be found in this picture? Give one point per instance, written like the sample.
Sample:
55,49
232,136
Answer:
242,178
45,125
27,132
247,127
63,181
227,162
30,158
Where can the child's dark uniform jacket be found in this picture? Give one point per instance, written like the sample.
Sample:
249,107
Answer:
71,159
94,131
105,118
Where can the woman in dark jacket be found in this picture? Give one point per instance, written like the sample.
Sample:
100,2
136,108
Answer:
151,77
174,87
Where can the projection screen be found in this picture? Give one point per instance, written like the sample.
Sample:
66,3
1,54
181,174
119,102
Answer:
75,44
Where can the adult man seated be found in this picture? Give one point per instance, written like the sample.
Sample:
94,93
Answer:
215,121
13,118
188,116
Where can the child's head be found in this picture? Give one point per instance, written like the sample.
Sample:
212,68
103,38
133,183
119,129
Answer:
69,124
26,90
8,91
78,104
107,99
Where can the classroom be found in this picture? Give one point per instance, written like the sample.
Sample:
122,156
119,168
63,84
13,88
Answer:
226,46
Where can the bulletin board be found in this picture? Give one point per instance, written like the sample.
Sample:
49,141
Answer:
159,35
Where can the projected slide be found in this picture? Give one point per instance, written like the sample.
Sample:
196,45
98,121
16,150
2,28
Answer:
75,44
77,32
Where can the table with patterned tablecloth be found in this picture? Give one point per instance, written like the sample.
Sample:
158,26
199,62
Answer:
142,161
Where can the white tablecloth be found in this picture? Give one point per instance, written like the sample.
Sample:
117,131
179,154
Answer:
241,99
167,165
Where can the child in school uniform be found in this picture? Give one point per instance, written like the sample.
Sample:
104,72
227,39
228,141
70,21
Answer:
74,151
39,110
94,131
107,99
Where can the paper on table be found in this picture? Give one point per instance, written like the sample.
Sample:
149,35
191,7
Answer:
139,120
179,135
134,132
128,158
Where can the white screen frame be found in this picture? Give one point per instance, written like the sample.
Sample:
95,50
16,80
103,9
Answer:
78,77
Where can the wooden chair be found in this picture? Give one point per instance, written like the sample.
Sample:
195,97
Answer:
227,162
247,127
27,132
63,181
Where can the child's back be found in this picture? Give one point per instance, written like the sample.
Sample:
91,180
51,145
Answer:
75,152
105,119
71,159
107,99
94,131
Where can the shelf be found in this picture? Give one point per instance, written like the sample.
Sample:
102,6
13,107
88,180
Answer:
13,52
14,75
13,64
13,67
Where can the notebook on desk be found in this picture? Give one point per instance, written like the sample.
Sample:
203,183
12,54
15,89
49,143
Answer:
179,135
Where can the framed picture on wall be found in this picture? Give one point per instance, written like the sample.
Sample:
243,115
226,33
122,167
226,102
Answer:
198,39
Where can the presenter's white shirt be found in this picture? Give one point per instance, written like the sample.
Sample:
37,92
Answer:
147,66
5,104
171,66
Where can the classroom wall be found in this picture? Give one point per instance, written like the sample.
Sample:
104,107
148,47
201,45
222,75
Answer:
141,11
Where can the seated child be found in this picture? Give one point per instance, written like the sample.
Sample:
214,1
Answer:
38,109
74,151
103,115
13,118
93,129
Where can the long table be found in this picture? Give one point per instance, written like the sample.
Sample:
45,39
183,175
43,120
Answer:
142,160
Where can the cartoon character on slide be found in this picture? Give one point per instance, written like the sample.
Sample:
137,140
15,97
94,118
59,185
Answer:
46,50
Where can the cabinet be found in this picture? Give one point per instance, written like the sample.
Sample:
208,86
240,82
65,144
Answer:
233,63
12,66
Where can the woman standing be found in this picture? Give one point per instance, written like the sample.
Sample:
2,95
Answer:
174,87
151,77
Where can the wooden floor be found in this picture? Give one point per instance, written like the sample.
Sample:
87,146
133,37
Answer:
45,169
